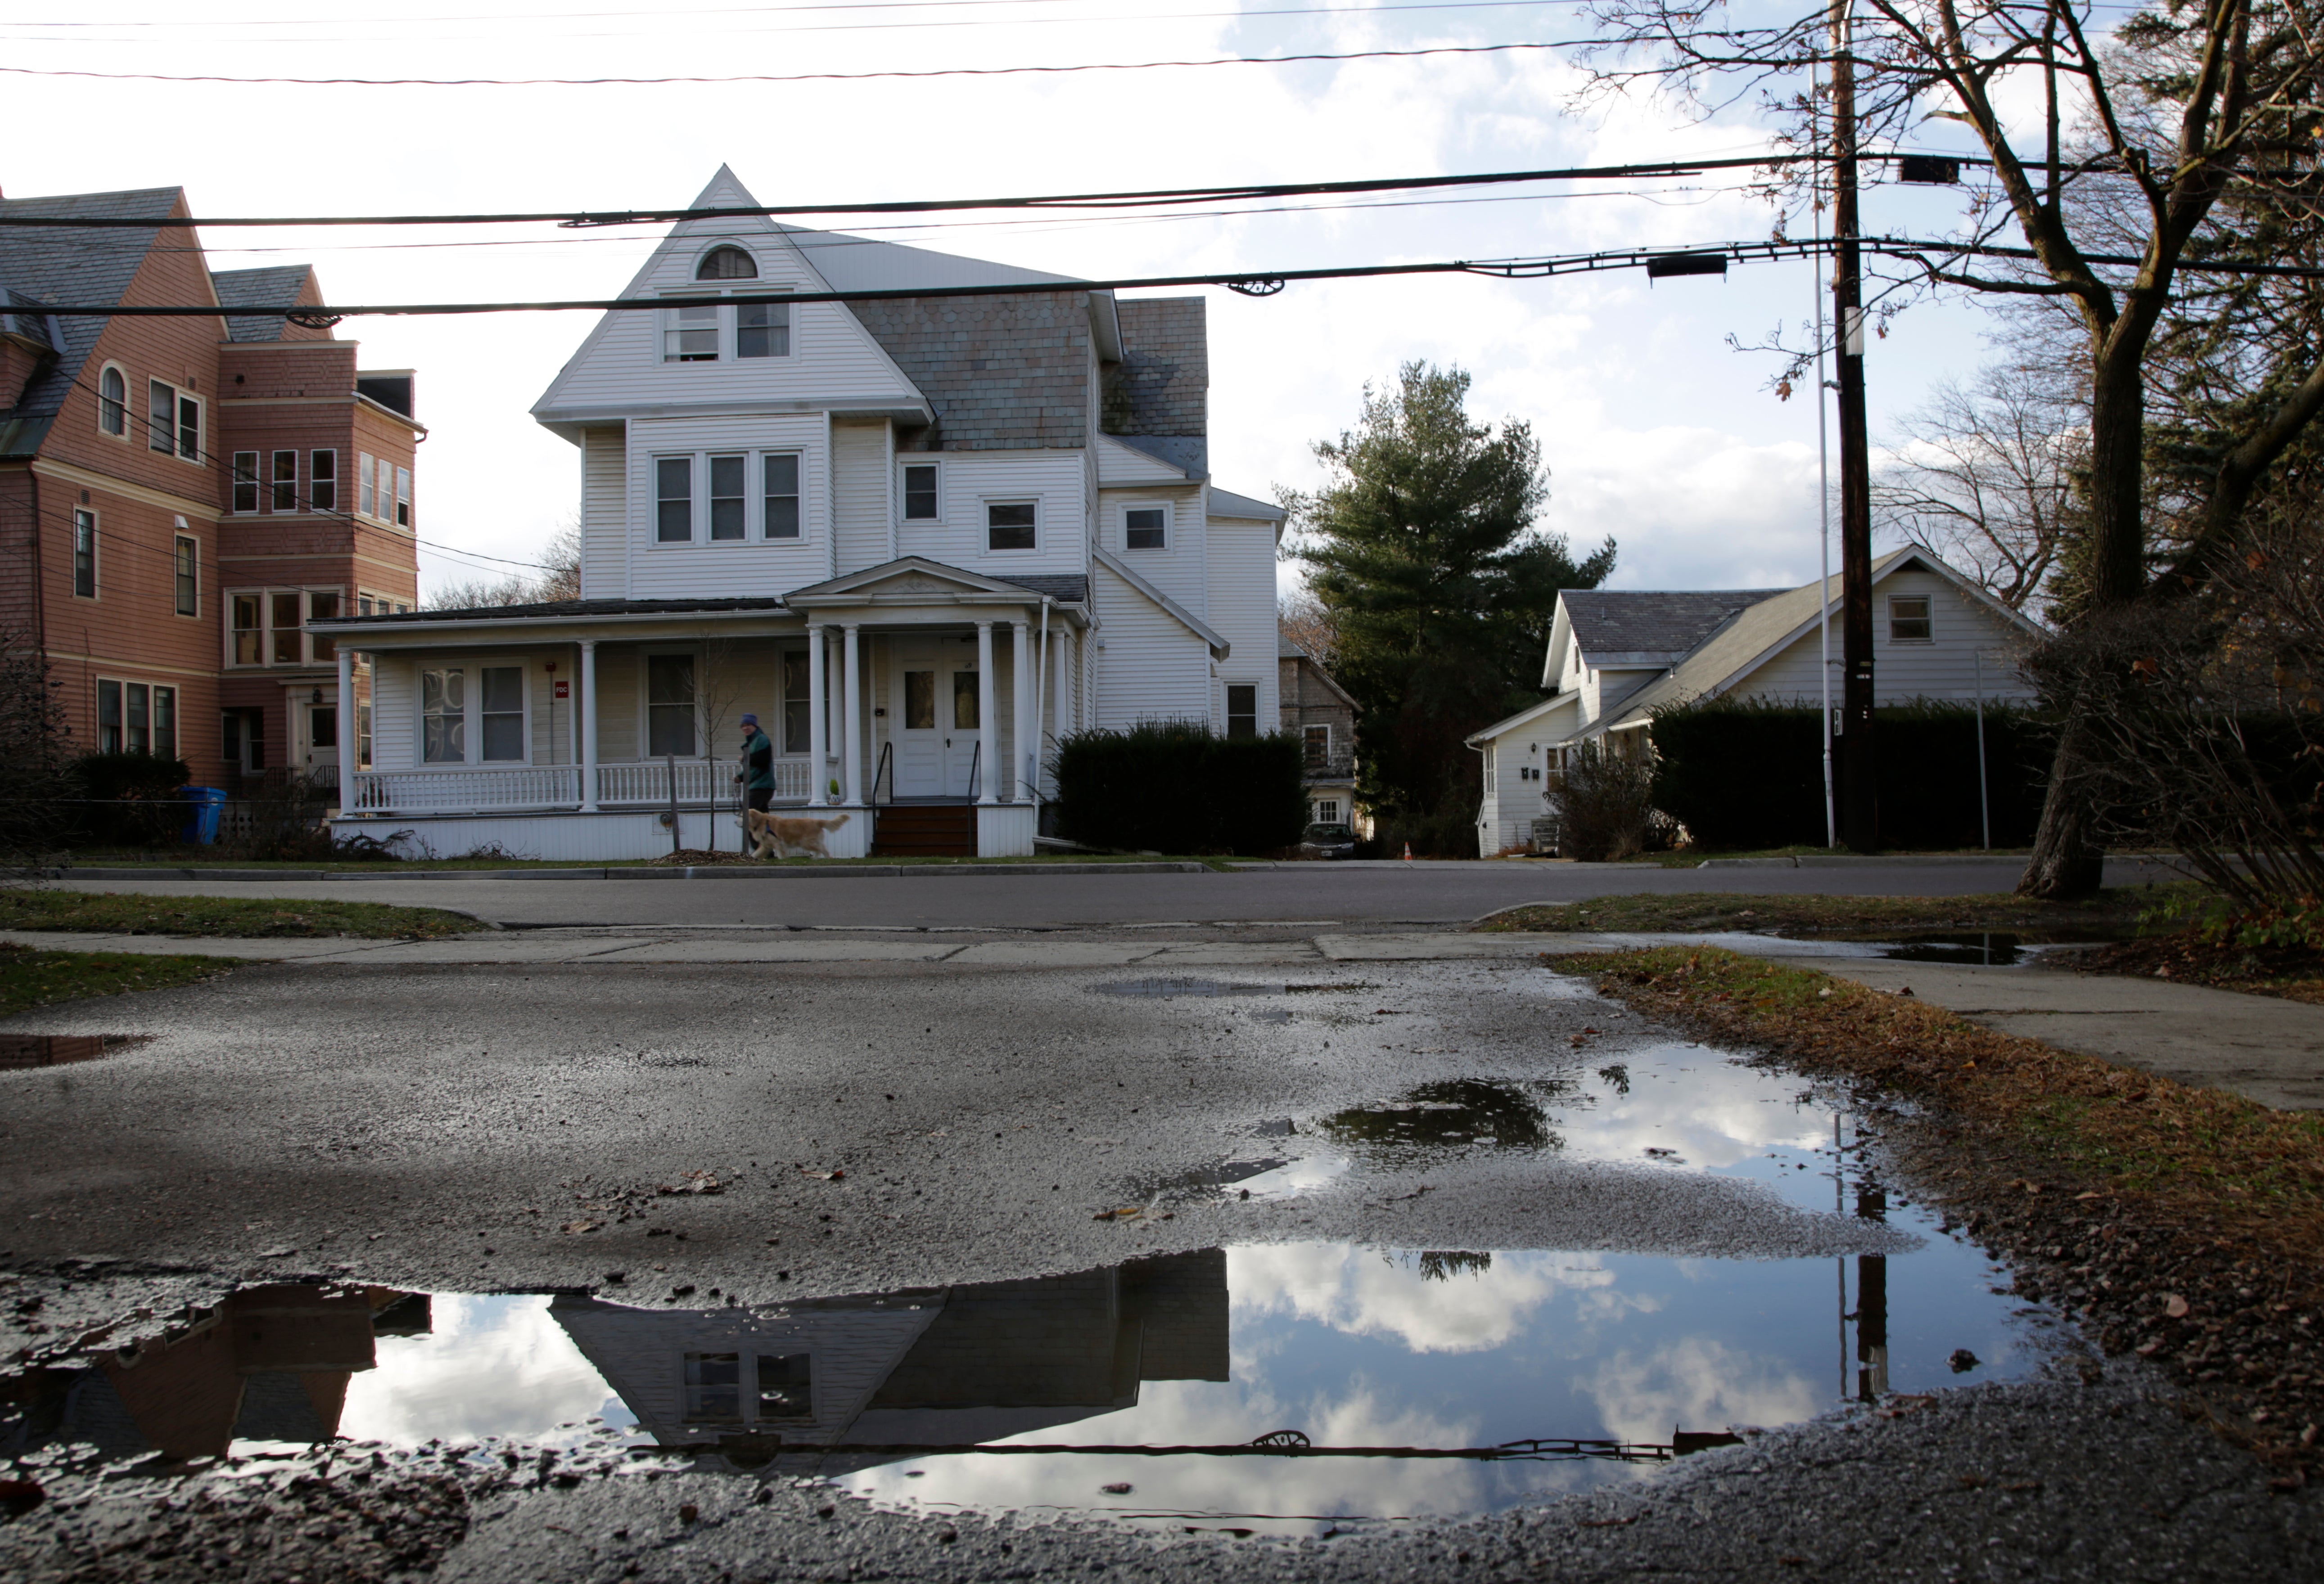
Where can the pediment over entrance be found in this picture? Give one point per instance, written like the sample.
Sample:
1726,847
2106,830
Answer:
915,580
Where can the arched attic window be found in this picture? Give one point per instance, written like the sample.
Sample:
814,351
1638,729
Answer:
726,263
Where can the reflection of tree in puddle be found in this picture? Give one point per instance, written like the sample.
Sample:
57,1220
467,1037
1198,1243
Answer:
1456,1114
1442,1264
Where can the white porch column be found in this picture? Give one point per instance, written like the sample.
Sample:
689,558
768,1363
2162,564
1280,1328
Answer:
1061,684
346,730
850,752
1024,731
585,710
989,768
817,747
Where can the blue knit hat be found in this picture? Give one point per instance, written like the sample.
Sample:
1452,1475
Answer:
750,719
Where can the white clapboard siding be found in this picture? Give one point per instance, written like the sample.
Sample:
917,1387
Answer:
1962,630
1240,604
1151,668
605,513
967,480
753,566
1181,568
862,521
834,361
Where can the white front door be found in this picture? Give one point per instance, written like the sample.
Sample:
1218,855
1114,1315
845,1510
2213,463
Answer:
919,738
320,740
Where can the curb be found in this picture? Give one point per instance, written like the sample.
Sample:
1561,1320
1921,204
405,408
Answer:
638,872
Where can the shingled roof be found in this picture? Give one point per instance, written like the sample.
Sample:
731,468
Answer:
1656,627
71,265
273,285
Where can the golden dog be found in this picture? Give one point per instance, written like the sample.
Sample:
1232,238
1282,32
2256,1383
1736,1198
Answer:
774,835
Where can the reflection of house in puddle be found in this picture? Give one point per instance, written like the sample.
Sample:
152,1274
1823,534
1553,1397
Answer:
267,1364
940,1367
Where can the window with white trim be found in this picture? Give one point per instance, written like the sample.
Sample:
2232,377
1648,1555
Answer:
673,500
730,499
689,331
113,402
402,497
1010,525
245,480
920,491
499,714
1327,811
136,717
762,329
267,627
323,480
1145,528
362,736
366,496
1243,709
443,716
173,421
282,478
1909,619
1317,740
84,553
726,263
780,500
669,706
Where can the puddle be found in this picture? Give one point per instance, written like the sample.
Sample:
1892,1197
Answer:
58,1050
1975,951
1288,1389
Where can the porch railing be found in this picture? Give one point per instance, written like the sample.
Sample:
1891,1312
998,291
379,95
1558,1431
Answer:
523,786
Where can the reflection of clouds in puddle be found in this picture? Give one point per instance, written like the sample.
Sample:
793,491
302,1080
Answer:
1365,1292
1696,1383
491,1365
1713,1112
1192,1413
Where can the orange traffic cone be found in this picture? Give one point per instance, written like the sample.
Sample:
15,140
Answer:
1407,852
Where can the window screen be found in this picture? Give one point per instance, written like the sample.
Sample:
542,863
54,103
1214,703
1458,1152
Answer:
920,492
728,499
1008,525
782,497
673,500
501,716
1242,710
669,706
1142,529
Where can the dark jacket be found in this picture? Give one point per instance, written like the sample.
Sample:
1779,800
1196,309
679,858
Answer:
758,761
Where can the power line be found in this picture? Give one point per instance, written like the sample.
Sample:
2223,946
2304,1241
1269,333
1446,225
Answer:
1249,283
595,82
1133,198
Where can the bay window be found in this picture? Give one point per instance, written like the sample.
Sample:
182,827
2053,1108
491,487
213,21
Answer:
267,627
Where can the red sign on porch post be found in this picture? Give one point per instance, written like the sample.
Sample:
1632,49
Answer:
564,690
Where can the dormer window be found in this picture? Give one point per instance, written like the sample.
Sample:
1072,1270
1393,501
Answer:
726,263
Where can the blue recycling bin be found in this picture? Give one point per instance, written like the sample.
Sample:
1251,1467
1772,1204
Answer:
203,803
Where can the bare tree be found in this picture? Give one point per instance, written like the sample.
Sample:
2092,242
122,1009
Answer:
2166,114
1985,475
558,578
1302,619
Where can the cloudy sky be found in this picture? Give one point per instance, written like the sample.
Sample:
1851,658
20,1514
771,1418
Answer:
1655,431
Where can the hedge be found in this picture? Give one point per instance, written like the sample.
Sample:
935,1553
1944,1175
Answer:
128,799
1178,786
1743,774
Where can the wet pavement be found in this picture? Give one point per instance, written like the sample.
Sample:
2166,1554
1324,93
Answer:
721,1254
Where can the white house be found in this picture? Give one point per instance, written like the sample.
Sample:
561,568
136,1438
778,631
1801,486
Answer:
920,537
1618,655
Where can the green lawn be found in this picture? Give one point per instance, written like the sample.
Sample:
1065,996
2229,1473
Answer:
248,917
29,978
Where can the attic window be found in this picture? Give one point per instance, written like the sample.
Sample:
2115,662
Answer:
1908,619
726,263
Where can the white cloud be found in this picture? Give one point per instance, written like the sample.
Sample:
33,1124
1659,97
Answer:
491,1365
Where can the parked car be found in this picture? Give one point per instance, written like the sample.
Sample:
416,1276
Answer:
1329,841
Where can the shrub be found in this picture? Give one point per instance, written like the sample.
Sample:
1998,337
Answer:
1178,786
1605,809
1744,773
129,799
33,783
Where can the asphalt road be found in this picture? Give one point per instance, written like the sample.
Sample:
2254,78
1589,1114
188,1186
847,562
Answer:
1424,893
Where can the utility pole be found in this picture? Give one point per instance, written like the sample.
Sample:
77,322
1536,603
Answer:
1859,822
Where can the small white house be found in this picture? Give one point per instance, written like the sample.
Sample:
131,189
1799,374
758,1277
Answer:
920,536
1618,655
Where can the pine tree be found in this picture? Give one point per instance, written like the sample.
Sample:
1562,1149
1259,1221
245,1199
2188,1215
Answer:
1422,548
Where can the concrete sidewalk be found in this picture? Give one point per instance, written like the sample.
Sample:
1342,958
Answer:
2259,1047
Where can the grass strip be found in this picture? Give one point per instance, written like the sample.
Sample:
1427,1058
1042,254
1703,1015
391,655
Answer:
2107,912
241,918
29,978
2186,1223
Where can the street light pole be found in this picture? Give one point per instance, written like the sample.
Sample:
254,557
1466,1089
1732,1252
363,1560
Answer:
1859,808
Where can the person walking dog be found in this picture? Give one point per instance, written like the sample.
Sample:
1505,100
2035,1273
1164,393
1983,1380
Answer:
758,775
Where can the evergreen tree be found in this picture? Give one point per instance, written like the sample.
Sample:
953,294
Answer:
1422,548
